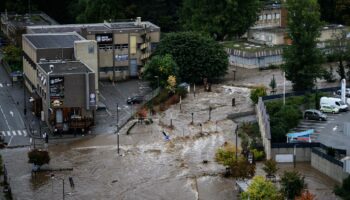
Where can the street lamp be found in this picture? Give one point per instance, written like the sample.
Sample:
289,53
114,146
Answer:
157,77
62,179
118,126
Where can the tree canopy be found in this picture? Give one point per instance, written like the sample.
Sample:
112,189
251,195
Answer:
158,69
292,184
197,56
220,19
302,58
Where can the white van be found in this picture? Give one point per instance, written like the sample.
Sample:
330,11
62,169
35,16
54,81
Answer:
336,102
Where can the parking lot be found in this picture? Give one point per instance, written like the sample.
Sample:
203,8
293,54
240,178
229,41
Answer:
333,132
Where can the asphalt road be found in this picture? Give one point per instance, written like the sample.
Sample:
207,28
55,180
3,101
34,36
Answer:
12,126
113,95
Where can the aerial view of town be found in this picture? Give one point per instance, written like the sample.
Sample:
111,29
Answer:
175,100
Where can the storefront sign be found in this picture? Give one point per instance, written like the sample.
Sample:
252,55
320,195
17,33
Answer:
105,38
57,87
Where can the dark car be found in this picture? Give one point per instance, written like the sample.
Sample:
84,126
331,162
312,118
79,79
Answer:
134,100
347,92
315,115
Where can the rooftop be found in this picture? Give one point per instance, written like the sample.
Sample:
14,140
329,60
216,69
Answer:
21,21
60,68
99,27
53,40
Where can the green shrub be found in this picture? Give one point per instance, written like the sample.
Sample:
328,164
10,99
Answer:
258,155
257,92
181,92
343,190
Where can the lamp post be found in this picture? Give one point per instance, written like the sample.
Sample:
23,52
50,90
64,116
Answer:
24,96
236,132
157,77
118,127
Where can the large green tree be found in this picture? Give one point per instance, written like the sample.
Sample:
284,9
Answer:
222,19
260,188
159,68
197,56
302,58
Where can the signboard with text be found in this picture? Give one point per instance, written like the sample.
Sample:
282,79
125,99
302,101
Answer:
104,38
56,87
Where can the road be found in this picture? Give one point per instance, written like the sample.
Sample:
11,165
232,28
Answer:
113,95
11,123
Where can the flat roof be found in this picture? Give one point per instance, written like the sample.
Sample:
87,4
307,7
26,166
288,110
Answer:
53,40
98,27
33,19
65,67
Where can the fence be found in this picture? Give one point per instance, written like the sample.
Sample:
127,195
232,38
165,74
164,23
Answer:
146,99
291,94
264,126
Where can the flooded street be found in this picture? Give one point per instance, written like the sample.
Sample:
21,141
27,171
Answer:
161,170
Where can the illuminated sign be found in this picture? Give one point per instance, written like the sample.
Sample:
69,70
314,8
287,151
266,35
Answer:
105,38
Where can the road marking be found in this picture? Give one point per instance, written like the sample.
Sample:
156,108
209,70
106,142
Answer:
1,85
8,133
10,141
335,128
19,132
11,113
7,123
102,97
110,114
3,133
14,133
25,133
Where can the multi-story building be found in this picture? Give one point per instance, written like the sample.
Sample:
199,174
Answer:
123,47
14,25
67,91
59,71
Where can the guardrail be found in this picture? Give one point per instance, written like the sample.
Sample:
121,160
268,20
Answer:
327,157
291,94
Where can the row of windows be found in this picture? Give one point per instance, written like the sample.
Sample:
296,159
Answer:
269,16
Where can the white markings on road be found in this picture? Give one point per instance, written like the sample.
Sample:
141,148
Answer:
1,85
14,133
102,96
10,141
11,113
110,114
335,128
7,123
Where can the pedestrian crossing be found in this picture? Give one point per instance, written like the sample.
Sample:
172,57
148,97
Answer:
9,133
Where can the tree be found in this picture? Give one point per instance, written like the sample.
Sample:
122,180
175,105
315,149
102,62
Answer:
238,168
221,19
158,69
197,56
344,190
171,84
38,157
302,58
13,56
257,92
292,184
273,84
340,47
270,167
261,189
342,10
306,195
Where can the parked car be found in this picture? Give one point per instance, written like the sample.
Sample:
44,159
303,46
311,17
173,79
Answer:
347,92
329,109
336,102
134,100
314,115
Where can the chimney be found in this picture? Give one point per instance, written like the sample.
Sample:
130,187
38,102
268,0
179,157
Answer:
138,21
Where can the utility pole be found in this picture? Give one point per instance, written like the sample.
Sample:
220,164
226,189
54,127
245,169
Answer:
236,131
113,56
24,99
210,112
118,127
